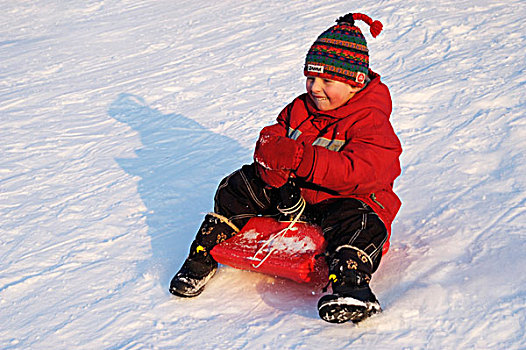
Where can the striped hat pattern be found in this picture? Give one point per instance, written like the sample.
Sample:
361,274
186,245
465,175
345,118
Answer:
340,53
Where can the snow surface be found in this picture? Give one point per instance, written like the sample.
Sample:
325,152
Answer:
119,118
281,242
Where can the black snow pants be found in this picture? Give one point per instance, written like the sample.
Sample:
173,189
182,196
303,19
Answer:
344,221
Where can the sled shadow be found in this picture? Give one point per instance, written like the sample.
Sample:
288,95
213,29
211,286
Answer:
289,296
180,164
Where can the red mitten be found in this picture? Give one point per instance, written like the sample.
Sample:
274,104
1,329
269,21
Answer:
273,178
278,152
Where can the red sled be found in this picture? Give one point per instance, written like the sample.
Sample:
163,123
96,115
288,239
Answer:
276,248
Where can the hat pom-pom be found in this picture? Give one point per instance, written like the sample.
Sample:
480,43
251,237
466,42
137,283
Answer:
376,28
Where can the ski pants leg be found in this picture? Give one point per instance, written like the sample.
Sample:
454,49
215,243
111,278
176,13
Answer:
243,195
239,197
348,222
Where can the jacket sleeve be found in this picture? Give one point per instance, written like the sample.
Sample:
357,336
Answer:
367,162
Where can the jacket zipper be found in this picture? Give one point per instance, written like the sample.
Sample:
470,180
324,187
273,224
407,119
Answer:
373,197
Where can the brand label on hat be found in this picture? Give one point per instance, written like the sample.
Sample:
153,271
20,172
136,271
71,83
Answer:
315,69
360,77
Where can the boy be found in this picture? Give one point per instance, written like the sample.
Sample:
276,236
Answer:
333,147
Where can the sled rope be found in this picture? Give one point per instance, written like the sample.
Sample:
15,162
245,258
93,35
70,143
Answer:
279,235
300,205
225,221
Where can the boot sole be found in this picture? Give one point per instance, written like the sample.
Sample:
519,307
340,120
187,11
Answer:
186,294
343,310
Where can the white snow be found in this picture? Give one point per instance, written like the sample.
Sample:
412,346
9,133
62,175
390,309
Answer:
120,117
281,242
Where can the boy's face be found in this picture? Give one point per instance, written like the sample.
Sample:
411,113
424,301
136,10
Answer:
329,94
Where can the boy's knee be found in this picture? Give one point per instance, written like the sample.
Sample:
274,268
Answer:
241,192
227,190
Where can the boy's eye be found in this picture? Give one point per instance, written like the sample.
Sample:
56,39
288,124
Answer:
327,81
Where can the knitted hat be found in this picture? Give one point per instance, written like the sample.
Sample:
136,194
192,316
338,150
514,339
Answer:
340,53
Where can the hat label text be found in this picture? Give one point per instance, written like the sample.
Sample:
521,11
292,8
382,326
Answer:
315,69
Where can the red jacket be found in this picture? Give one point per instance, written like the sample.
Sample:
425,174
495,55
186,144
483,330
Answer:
354,150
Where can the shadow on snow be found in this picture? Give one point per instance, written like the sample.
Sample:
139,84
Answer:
179,164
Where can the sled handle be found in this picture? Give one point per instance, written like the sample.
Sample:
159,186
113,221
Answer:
278,235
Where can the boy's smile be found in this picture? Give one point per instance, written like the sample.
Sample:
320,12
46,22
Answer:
329,94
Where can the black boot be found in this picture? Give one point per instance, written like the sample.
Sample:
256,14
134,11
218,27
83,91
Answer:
200,267
352,298
196,271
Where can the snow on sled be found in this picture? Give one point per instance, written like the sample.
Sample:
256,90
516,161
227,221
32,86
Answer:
277,248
